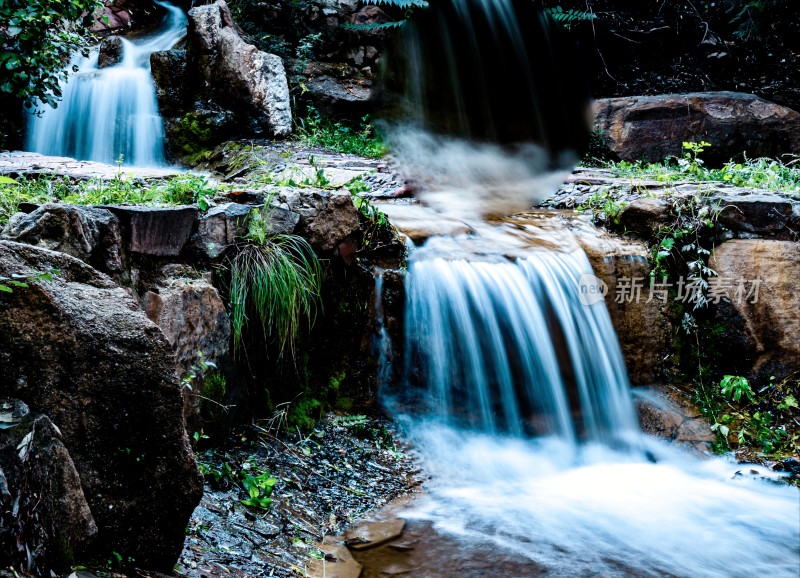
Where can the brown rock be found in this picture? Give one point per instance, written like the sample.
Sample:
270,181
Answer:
79,351
338,562
159,232
644,332
371,534
768,322
651,128
192,316
645,216
326,219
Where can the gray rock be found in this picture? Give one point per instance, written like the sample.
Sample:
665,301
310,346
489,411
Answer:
169,76
56,523
78,350
110,52
90,234
326,219
651,128
645,216
221,225
759,213
236,74
334,97
159,232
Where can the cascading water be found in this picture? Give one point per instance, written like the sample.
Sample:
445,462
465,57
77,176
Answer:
111,112
516,395
508,348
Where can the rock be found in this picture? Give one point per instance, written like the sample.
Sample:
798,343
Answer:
54,521
221,225
651,128
338,562
645,216
156,231
666,413
371,534
761,312
762,214
334,97
169,76
31,165
644,332
192,316
110,52
90,234
79,351
326,219
247,81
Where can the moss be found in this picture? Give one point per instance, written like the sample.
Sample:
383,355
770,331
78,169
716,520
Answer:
215,388
191,137
305,413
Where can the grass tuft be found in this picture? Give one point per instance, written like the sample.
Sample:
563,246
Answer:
276,279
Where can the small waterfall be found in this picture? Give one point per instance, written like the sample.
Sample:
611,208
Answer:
516,395
507,347
110,112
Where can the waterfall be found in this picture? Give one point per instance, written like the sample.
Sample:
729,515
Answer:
108,113
516,398
507,347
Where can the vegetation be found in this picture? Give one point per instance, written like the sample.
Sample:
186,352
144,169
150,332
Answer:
39,36
362,139
276,279
761,173
758,423
8,284
184,189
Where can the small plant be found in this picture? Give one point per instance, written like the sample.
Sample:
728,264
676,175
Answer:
316,130
734,387
8,284
197,371
765,419
568,17
276,279
259,489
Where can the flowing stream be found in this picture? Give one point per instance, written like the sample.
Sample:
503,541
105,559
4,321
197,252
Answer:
110,113
516,396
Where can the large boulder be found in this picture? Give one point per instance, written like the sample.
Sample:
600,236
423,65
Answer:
237,75
78,350
651,128
758,305
90,234
168,68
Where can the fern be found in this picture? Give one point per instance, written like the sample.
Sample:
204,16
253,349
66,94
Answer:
407,5
568,17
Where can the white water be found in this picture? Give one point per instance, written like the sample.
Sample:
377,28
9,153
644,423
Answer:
110,112
501,347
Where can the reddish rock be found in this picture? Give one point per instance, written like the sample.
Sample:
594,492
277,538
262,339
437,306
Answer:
651,128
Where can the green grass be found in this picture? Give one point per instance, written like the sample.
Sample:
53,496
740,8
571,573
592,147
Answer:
361,139
276,280
184,189
760,173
